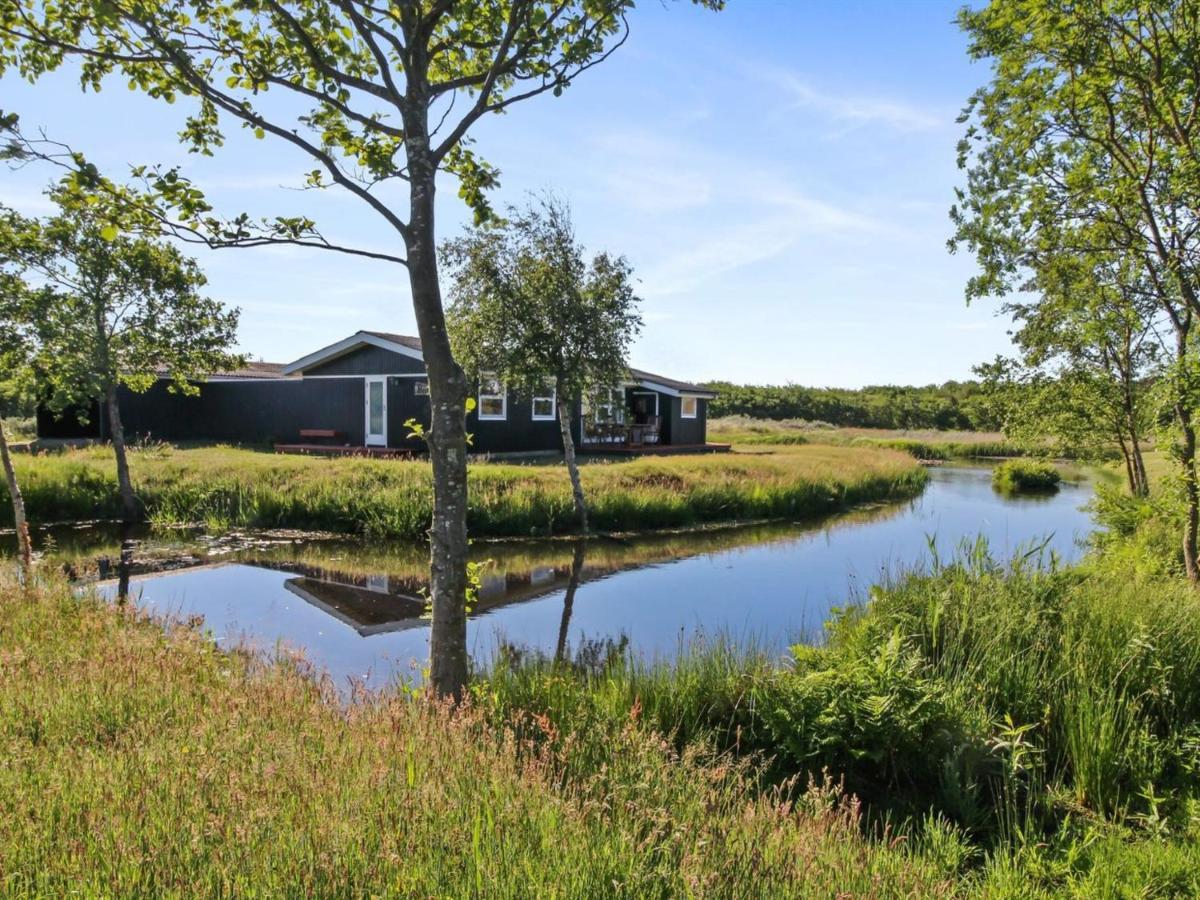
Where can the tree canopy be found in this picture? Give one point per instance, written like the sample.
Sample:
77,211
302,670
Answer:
528,305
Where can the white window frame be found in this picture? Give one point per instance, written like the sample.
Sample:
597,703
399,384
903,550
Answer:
502,397
552,397
613,403
421,388
683,399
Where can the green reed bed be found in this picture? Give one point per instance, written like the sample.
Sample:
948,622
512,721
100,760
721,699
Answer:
1026,476
142,762
224,486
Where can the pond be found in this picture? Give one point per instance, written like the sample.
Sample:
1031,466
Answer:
355,608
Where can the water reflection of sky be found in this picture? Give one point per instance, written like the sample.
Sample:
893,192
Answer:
773,591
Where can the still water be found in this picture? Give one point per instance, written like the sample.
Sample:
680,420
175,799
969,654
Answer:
355,610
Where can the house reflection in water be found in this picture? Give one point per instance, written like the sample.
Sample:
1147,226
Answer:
379,604
367,610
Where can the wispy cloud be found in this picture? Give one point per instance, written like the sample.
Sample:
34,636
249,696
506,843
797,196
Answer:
849,109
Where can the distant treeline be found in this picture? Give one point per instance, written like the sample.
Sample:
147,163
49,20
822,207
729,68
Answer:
956,405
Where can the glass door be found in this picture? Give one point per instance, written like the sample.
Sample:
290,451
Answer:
376,412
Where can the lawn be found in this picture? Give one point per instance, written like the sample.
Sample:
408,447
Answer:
225,486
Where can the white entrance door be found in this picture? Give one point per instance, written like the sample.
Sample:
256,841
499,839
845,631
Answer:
376,404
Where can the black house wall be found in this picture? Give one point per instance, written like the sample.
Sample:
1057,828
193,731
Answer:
369,360
239,412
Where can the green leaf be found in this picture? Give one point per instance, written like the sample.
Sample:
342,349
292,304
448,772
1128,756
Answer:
109,232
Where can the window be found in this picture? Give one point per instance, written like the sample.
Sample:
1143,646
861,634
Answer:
493,401
608,404
545,404
421,388
688,406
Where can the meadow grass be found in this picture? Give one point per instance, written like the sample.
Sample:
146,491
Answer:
1044,724
924,444
224,486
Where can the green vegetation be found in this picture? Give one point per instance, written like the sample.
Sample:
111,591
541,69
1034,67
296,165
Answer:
1041,724
953,405
21,429
234,778
1028,475
222,487
529,309
975,730
942,450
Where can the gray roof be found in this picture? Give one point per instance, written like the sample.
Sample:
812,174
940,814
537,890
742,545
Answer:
685,387
412,343
250,370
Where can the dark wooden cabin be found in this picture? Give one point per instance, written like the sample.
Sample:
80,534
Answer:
357,394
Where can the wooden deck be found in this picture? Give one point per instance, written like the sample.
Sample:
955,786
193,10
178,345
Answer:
588,449
651,449
335,450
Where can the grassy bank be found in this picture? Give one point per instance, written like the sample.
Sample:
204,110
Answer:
987,732
922,444
144,763
222,486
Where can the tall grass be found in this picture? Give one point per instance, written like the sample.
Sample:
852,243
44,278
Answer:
144,762
924,444
1009,731
1002,699
224,486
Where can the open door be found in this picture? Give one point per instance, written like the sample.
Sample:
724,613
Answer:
376,408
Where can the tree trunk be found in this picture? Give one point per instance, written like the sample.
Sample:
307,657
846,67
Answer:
1137,481
564,626
21,524
1187,459
1130,473
564,424
129,504
1139,466
447,438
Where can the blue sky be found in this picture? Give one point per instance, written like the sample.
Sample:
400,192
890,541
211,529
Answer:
779,175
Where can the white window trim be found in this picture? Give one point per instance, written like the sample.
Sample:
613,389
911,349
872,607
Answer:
552,397
502,397
614,404
695,409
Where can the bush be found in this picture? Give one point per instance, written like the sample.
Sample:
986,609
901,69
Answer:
1025,476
